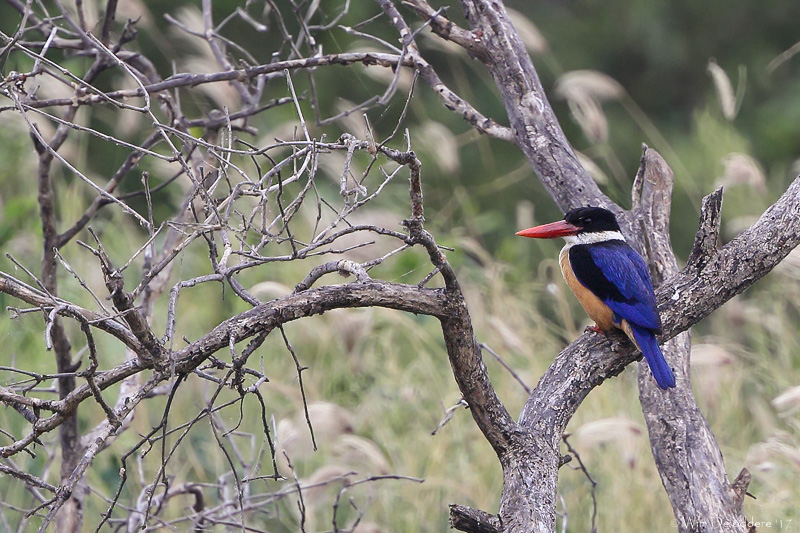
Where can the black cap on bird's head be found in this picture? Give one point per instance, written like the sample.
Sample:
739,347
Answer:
592,219
580,220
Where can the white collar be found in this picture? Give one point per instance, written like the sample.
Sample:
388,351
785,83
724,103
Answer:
594,237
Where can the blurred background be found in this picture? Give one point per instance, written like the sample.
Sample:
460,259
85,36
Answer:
713,86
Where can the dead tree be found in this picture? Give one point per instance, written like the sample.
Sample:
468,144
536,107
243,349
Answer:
246,202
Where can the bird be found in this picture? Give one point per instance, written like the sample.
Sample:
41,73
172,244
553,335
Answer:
610,280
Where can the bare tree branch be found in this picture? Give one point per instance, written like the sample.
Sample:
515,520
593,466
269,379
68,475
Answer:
535,127
249,204
680,436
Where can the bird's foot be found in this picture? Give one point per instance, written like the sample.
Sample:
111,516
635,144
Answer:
595,329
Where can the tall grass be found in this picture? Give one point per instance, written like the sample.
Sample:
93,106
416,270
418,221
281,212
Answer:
378,381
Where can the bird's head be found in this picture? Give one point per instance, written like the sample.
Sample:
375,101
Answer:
577,222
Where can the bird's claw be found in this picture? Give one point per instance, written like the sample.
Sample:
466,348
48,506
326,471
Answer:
595,329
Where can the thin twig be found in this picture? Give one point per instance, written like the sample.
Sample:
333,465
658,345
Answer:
582,467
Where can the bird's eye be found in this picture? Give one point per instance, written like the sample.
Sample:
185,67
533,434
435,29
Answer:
587,220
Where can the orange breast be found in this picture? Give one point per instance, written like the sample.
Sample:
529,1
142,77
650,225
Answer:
594,307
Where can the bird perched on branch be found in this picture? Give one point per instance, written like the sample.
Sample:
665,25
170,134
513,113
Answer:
610,280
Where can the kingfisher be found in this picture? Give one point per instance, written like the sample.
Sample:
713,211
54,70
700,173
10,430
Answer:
610,280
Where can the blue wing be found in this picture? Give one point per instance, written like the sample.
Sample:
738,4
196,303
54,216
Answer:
617,275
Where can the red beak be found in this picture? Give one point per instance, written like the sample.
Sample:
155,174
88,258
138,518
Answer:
562,228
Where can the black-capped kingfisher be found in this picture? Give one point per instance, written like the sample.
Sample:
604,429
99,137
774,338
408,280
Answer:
610,280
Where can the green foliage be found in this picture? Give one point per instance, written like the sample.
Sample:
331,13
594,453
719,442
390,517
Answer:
378,381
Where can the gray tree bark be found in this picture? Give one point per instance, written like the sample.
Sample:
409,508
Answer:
528,449
686,452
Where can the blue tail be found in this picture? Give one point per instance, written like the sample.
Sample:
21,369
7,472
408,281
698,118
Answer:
652,354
